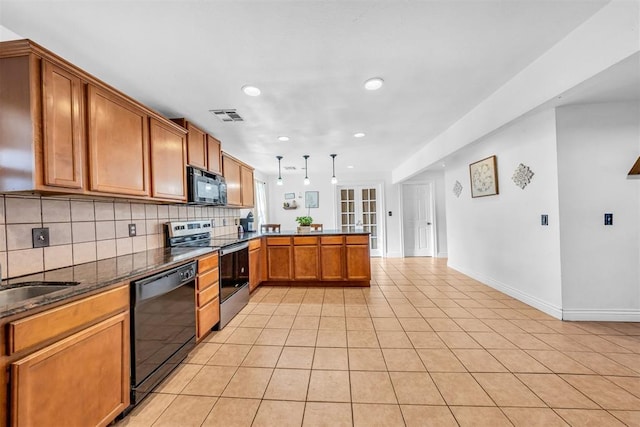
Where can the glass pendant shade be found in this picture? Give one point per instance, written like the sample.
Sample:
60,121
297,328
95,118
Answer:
306,170
334,180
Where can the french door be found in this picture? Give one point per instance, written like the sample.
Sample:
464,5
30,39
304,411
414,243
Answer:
360,207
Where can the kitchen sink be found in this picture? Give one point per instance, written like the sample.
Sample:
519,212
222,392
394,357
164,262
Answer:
27,290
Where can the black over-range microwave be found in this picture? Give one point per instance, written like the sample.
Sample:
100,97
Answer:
206,188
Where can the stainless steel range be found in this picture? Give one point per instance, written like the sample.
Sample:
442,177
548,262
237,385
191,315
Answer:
234,262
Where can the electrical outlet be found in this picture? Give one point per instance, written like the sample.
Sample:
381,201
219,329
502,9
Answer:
608,219
224,222
390,213
544,219
213,223
40,237
132,230
235,221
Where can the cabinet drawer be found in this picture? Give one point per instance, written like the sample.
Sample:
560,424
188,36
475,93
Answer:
278,241
255,244
358,240
207,317
331,240
207,295
207,279
27,332
207,263
305,240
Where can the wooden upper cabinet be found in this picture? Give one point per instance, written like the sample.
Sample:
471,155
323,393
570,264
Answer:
246,177
118,144
63,127
168,148
214,153
196,144
231,171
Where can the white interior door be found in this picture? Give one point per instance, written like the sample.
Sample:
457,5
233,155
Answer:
418,219
360,207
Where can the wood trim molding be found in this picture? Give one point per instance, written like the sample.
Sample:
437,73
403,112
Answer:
635,170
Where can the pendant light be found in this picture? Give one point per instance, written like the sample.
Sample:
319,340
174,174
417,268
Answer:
306,170
279,182
334,180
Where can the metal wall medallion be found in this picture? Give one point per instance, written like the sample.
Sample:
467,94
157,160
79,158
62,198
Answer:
522,176
457,188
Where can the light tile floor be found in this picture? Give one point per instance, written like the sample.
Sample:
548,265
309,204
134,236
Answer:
425,345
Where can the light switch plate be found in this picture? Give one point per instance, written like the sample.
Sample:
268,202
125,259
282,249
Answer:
608,219
544,219
132,230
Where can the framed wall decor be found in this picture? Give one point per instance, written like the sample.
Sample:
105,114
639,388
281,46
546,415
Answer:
311,199
289,196
484,177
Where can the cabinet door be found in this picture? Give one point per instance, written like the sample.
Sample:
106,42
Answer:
214,163
331,266
231,170
306,262
196,147
255,273
207,317
358,262
63,127
168,161
80,381
247,186
279,262
118,145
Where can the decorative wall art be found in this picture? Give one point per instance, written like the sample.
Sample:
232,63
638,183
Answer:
457,188
522,176
289,196
484,177
311,199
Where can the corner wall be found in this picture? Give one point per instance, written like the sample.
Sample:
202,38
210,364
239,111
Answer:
498,240
597,145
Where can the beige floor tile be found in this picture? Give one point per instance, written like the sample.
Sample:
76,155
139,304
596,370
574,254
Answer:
248,382
371,387
440,360
472,325
431,313
558,362
244,336
310,310
601,364
534,417
435,416
279,413
331,310
186,411
329,386
232,412
296,357
359,324
386,324
585,417
288,384
519,361
506,390
202,353
220,336
178,379
262,356
443,324
415,388
368,415
287,310
401,359
425,340
365,339
458,340
148,411
328,338
229,355
555,392
280,322
630,418
366,359
331,358
267,309
492,340
356,311
598,344
327,414
527,341
255,320
381,311
604,392
210,381
631,361
302,338
411,324
631,384
272,337
561,342
306,322
333,323
479,417
393,339
460,389
478,360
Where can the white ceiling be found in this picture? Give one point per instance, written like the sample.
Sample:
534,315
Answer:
310,58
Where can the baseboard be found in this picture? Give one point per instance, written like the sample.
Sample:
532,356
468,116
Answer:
601,315
536,302
442,255
394,254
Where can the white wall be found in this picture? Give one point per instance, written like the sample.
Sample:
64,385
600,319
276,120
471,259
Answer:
498,240
597,145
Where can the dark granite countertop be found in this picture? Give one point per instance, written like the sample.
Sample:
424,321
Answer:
230,239
95,275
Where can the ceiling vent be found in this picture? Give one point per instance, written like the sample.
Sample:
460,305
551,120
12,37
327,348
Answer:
290,168
229,115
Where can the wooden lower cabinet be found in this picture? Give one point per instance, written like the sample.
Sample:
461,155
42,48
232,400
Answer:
82,380
208,316
278,262
358,262
207,295
255,264
332,262
306,258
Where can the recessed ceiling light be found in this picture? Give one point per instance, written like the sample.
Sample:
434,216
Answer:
283,138
350,167
374,83
251,90
358,135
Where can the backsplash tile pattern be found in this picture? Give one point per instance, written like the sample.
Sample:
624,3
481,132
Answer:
88,230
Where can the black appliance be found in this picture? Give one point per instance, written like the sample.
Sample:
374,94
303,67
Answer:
162,326
247,223
206,188
234,280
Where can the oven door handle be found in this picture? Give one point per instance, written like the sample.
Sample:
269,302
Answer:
233,248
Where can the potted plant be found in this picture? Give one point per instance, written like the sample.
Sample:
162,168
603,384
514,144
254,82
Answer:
304,223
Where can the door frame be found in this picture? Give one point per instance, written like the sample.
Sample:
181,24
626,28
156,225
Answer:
382,219
432,207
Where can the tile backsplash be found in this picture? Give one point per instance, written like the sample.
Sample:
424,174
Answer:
88,230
